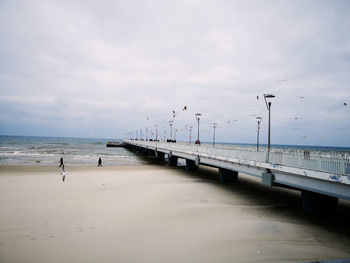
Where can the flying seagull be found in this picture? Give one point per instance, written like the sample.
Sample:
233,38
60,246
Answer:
301,97
345,104
185,108
283,80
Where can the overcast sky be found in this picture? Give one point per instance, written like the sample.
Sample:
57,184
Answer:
105,68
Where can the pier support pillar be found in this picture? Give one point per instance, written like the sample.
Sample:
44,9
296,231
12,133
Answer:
191,165
267,178
160,156
172,160
227,176
315,203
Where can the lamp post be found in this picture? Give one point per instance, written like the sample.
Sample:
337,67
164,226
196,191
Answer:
190,134
198,117
258,130
214,126
175,130
171,130
268,105
156,126
164,138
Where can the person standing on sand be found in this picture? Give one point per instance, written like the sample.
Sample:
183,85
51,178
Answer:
61,162
99,162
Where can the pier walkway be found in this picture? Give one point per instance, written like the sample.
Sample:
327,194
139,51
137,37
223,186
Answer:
322,177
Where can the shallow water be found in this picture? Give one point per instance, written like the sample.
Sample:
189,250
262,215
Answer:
23,150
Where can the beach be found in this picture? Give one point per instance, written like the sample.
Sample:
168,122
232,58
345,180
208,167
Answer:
155,213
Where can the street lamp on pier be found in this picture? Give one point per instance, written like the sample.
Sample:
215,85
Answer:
198,115
156,126
258,130
214,126
268,105
190,134
171,130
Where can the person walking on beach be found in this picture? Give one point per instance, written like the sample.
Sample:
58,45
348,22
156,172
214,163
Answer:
61,162
99,162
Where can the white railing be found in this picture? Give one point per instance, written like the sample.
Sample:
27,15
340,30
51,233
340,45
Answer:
330,162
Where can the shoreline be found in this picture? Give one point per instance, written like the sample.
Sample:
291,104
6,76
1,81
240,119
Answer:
51,168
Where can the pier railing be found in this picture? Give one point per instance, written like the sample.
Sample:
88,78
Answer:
330,162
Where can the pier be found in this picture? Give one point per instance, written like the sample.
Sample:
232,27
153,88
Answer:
322,177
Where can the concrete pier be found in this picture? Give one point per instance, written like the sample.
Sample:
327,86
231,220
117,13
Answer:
322,179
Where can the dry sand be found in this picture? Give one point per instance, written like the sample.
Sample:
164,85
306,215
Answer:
158,214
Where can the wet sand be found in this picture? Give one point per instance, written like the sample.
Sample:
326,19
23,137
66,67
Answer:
158,214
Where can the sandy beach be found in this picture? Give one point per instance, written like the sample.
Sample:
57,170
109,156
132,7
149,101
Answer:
155,213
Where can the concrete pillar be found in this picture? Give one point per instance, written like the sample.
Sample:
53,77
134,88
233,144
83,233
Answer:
315,203
267,178
191,165
172,160
160,156
227,176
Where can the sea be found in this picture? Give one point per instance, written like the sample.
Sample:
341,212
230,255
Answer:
30,150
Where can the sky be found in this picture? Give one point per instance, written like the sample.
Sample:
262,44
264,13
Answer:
105,69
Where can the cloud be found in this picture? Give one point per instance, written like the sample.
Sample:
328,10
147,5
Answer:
102,68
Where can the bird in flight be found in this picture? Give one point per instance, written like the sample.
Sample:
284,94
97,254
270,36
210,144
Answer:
185,108
295,118
257,97
283,80
345,104
301,97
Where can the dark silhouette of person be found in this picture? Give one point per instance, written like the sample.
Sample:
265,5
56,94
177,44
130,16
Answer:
61,162
99,162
